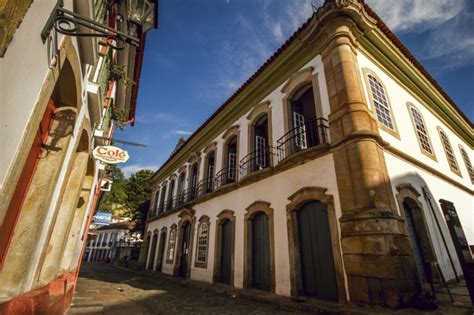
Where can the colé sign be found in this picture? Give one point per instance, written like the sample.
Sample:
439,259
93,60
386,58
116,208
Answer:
110,154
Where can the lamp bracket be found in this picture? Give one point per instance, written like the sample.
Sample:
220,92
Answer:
68,23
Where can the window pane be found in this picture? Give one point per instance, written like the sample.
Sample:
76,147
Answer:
453,164
421,132
380,102
467,161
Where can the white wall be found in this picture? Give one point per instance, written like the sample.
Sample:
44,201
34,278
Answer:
401,171
398,97
275,189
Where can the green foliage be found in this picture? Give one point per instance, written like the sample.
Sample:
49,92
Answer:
116,198
130,197
138,190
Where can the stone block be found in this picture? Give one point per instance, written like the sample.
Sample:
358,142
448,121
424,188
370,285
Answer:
376,291
374,244
351,245
358,290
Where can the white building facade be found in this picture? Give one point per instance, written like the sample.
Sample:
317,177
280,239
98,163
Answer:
322,175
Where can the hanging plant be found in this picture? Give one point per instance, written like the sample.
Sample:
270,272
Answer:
120,116
118,73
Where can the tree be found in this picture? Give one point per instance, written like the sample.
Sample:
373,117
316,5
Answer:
114,199
138,190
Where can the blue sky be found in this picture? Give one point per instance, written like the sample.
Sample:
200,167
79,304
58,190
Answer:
204,50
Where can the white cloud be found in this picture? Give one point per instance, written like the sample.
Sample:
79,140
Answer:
128,170
152,118
406,15
182,132
236,61
444,28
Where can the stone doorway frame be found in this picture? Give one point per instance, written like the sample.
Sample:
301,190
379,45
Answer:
161,249
407,191
186,215
297,200
221,217
255,208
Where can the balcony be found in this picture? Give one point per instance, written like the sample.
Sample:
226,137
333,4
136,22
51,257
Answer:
311,134
205,186
257,160
226,176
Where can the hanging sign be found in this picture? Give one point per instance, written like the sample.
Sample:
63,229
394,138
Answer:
110,154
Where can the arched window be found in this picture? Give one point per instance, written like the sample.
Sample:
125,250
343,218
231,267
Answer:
169,203
161,207
421,131
202,242
194,181
380,102
171,245
453,163
231,159
210,165
467,162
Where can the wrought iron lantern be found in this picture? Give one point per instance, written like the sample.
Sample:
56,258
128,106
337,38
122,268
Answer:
139,13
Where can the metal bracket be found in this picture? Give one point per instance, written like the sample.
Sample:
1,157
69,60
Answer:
67,22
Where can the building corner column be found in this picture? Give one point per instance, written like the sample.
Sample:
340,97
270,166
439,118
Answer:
377,254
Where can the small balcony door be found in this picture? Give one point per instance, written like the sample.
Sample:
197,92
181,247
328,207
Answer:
300,131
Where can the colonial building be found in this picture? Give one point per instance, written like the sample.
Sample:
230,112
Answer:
322,175
113,242
61,96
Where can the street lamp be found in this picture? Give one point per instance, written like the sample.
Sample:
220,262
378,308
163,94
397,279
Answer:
139,12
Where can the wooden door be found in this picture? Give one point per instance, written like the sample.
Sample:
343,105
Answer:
415,241
183,264
260,253
226,252
161,252
318,276
151,258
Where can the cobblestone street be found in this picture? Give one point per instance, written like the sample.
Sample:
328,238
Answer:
103,289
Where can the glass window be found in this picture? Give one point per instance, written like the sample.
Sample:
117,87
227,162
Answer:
379,98
421,131
203,233
453,164
467,161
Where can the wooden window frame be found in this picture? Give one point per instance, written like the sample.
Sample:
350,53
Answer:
394,132
448,147
203,220
431,155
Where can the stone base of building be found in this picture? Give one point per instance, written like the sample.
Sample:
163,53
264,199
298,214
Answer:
377,257
54,298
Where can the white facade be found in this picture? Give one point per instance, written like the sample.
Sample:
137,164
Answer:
410,172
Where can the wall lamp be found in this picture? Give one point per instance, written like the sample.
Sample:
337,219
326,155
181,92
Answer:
139,12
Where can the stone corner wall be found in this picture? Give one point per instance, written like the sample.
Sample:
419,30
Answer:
12,13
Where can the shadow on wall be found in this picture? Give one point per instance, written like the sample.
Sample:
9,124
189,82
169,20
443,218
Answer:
426,227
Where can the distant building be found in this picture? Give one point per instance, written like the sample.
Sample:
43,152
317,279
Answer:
324,175
61,97
113,242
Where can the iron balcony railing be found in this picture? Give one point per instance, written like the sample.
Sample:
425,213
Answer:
226,176
259,159
311,134
205,186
